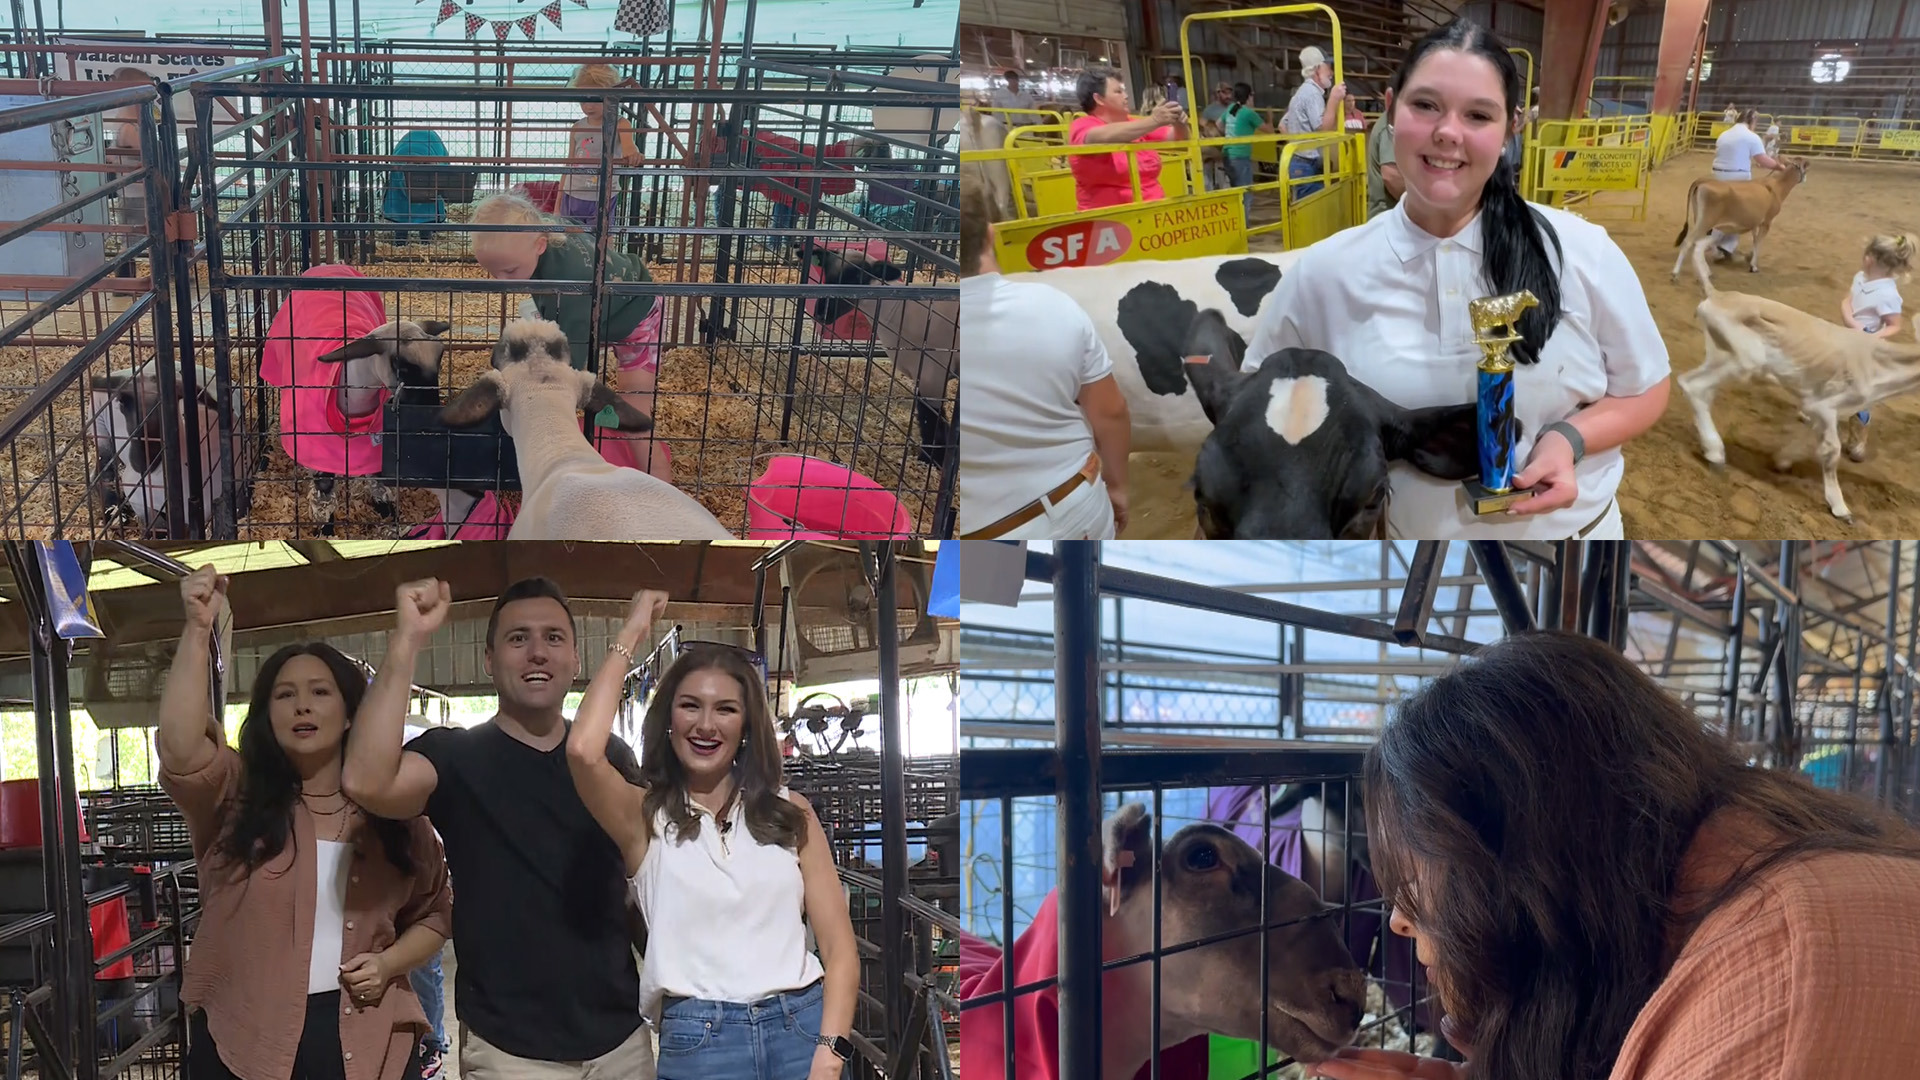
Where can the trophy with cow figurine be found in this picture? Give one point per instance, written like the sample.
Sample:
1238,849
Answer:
1496,321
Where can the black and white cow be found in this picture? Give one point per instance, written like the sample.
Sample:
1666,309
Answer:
1142,311
1300,449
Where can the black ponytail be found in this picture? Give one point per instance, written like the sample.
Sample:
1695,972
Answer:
1513,235
1242,93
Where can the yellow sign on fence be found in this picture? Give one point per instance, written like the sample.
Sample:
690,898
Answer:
1591,169
1209,224
1900,140
1816,136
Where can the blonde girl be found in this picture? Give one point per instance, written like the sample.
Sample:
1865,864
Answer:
630,324
1873,304
580,192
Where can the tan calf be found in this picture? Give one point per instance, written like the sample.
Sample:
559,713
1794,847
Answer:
1734,206
1833,370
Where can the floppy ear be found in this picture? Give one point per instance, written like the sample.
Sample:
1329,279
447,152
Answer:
353,350
434,327
1213,356
1442,441
1127,855
600,396
884,270
476,402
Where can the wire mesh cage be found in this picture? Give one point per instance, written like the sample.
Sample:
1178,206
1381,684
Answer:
761,266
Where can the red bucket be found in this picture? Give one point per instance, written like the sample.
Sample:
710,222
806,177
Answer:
20,815
544,194
818,500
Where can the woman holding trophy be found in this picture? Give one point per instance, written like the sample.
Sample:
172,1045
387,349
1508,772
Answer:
1466,291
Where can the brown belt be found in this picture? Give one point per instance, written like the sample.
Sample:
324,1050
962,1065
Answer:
1088,474
1595,523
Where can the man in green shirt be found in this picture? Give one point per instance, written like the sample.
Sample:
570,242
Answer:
1384,183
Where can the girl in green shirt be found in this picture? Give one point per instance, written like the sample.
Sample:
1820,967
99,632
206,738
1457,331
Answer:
629,324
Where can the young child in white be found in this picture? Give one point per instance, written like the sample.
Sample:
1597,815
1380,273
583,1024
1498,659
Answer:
1873,304
580,192
1773,140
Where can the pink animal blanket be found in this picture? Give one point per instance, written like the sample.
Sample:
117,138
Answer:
315,433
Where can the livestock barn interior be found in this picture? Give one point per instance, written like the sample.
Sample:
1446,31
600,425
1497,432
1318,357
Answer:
867,723
1240,684
1836,77
330,141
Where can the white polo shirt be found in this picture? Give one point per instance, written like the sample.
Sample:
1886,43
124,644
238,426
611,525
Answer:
1735,149
1029,350
1873,300
1390,300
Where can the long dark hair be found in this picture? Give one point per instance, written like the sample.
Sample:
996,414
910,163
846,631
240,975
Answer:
1559,787
757,770
1242,93
260,815
1513,234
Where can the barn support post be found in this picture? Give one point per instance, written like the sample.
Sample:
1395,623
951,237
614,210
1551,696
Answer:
1497,570
1890,695
1416,598
893,797
1570,44
1790,621
1076,632
1736,644
1680,32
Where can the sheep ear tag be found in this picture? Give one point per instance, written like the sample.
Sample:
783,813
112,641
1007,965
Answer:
607,418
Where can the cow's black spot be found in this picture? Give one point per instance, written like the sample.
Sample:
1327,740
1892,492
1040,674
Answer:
1247,281
1154,319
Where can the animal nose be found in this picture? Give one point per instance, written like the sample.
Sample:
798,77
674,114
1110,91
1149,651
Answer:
1347,991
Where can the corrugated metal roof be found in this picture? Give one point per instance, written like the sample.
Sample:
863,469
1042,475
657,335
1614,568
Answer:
1802,20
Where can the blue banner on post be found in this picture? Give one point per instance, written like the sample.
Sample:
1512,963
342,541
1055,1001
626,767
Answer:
945,601
66,591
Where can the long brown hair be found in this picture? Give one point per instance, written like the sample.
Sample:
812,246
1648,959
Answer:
757,768
1553,787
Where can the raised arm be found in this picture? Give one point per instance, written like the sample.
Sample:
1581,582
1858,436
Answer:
614,803
826,906
187,723
379,775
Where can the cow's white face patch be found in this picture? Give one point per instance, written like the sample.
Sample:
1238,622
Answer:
1297,407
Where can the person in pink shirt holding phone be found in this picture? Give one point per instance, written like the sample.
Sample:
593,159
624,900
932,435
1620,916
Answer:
1103,179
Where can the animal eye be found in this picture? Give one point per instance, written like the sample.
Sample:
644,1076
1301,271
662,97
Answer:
1202,857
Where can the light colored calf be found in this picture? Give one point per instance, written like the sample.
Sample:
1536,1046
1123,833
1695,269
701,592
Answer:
1833,370
1733,206
980,132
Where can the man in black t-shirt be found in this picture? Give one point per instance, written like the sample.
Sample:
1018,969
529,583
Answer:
545,986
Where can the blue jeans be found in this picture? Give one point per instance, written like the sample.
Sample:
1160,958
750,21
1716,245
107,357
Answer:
783,216
430,986
771,1039
1300,167
1241,170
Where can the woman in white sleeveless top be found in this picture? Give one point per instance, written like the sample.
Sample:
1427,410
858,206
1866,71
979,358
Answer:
727,865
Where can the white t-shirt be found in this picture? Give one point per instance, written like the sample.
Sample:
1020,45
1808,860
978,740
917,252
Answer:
1735,149
1304,113
1029,350
330,860
1390,300
1874,300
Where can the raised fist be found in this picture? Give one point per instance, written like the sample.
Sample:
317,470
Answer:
201,591
422,607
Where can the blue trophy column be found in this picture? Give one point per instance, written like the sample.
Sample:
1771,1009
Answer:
1496,430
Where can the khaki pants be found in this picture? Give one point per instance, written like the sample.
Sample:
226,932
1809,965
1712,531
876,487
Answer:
631,1060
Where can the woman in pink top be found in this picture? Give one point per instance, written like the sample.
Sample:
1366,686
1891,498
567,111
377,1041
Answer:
1103,179
1600,886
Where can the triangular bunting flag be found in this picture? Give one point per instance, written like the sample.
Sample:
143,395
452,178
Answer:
474,23
582,3
447,11
526,26
552,12
501,29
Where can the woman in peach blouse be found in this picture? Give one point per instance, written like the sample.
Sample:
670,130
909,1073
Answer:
312,910
1602,887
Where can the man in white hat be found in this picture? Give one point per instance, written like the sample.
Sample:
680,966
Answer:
1315,107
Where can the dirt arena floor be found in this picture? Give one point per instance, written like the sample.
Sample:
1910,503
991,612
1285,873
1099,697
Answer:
1670,492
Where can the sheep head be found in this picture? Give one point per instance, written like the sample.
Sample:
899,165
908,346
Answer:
405,353
847,268
530,358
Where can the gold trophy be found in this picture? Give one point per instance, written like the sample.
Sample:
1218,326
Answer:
1495,328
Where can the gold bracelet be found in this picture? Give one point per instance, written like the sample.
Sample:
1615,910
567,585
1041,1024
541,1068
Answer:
623,651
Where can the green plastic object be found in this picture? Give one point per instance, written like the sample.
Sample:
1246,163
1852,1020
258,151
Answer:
607,418
1234,1059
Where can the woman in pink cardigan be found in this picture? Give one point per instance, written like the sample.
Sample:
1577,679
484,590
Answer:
1601,887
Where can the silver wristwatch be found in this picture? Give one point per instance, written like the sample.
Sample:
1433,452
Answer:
841,1046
